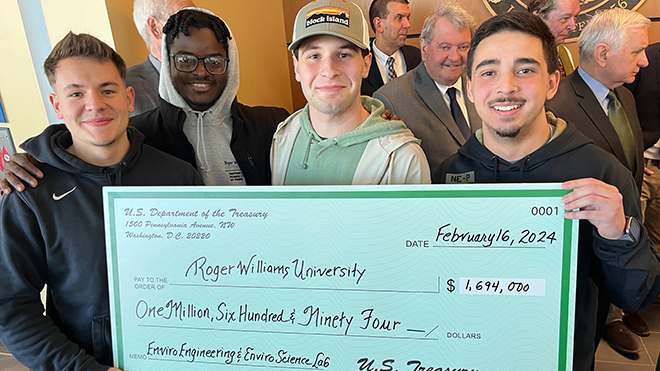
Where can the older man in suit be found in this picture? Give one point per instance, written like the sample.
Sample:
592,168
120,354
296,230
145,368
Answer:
149,17
431,99
560,17
391,57
611,50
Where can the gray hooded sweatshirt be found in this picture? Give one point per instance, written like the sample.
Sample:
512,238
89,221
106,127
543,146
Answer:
209,131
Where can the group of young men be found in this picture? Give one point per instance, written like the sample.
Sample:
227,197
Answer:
500,74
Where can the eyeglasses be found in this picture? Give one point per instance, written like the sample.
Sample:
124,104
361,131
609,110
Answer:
215,65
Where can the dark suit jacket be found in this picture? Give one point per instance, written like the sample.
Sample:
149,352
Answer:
144,79
646,89
575,102
415,98
412,56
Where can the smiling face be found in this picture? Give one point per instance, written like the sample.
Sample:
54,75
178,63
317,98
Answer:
445,56
330,71
561,20
199,88
94,103
392,31
623,64
510,84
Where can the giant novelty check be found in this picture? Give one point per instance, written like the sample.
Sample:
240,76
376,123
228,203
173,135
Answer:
471,277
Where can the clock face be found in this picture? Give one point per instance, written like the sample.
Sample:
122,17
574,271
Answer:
588,9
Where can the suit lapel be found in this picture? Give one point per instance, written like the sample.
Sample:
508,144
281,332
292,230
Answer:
412,56
374,72
599,119
428,92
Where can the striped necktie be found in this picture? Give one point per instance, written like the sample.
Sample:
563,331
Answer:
391,74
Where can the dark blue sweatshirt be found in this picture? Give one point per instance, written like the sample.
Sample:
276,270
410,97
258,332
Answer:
54,235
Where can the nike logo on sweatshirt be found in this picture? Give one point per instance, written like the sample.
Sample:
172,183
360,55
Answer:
57,198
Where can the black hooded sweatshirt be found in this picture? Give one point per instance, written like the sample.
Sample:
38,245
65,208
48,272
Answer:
628,271
54,234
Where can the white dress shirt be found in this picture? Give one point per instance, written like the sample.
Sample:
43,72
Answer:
381,62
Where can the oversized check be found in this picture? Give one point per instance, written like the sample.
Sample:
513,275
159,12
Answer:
471,277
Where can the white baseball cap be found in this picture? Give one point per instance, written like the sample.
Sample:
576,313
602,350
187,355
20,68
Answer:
339,18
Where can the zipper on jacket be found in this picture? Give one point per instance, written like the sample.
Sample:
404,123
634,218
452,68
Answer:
250,159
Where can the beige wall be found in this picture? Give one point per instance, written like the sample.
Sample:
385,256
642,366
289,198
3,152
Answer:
259,31
19,89
88,16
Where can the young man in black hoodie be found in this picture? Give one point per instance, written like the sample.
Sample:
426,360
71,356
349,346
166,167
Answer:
512,71
53,234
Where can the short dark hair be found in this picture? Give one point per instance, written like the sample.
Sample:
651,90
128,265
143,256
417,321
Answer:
378,9
181,21
541,7
516,22
83,46
364,52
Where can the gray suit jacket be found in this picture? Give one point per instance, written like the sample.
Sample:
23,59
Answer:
415,98
575,102
144,79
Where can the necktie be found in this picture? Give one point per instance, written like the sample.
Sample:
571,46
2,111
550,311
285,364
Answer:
621,125
458,114
560,66
391,74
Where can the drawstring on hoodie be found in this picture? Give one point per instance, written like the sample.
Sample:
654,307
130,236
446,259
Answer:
497,166
522,168
303,164
117,170
203,162
335,142
310,142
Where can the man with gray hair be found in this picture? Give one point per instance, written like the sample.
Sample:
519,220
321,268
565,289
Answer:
431,99
150,17
560,17
612,50
390,20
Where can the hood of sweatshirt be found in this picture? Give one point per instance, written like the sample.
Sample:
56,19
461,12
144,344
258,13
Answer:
374,127
209,131
222,107
51,147
564,138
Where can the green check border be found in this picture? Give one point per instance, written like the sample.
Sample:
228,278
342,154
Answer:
113,195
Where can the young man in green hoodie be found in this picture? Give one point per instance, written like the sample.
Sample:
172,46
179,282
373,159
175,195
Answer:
339,137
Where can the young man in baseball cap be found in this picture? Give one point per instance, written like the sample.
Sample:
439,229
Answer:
339,136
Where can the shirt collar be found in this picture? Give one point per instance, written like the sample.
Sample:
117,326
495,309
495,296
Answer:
597,87
382,57
458,85
155,62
